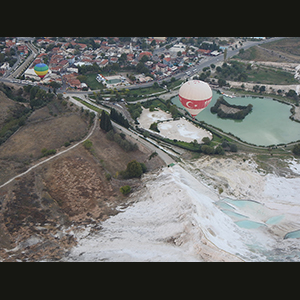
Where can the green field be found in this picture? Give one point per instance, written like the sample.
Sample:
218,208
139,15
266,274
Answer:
92,82
270,75
89,105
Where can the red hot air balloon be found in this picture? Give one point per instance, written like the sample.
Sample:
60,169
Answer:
195,95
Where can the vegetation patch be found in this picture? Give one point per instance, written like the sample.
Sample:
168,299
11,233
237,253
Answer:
230,111
120,139
134,170
47,152
125,189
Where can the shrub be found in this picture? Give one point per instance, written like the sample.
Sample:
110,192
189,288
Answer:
144,168
207,149
110,135
233,148
206,140
107,176
46,152
120,139
153,127
125,189
87,144
296,149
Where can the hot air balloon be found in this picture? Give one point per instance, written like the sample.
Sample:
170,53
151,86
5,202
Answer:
41,70
195,95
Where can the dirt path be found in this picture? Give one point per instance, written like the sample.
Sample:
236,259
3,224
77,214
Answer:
54,156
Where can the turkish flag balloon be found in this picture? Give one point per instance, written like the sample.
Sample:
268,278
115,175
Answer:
195,95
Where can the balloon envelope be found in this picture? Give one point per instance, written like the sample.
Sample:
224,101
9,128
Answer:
195,95
41,70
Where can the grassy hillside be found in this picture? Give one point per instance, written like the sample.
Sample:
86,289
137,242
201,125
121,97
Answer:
284,50
289,46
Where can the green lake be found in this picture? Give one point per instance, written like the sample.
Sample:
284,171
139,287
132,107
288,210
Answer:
267,124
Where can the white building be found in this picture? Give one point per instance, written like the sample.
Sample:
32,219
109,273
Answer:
29,73
215,53
100,78
72,70
5,66
177,47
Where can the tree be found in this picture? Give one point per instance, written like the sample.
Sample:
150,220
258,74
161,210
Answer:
207,149
256,88
225,54
105,122
233,147
221,82
262,89
206,140
219,150
155,85
134,169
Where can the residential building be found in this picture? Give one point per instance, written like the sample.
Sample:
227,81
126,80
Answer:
103,63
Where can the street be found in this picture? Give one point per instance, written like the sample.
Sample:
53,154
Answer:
16,73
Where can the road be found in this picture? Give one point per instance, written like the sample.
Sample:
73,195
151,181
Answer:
26,63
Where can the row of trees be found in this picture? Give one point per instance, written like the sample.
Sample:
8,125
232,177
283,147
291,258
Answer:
119,118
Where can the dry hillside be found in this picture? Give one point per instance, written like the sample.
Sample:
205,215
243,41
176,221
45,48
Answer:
39,210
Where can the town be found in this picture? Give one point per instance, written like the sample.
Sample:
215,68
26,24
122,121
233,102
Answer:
95,63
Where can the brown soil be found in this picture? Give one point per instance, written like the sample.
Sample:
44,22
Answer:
40,131
39,210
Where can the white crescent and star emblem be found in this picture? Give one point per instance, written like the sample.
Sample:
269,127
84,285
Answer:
192,105
188,104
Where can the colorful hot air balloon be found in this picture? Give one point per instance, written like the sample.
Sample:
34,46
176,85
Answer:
41,70
195,95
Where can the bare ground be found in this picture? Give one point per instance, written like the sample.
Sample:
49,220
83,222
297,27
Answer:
41,131
39,210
